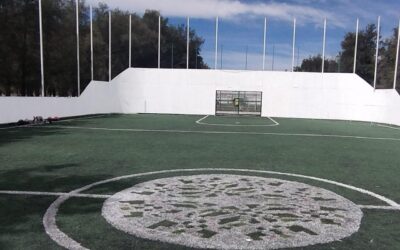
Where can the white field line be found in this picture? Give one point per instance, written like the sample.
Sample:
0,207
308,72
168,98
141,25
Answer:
236,125
199,120
99,196
49,218
387,126
373,207
221,132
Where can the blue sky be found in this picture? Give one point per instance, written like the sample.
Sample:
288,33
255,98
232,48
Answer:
241,25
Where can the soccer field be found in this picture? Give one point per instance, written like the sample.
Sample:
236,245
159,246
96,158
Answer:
97,157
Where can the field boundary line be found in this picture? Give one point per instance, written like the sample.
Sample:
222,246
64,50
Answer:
236,125
62,239
221,132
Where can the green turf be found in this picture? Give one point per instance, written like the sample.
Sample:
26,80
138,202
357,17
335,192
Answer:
60,158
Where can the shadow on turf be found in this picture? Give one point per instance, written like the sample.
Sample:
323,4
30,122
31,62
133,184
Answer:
21,222
17,134
48,178
21,216
14,135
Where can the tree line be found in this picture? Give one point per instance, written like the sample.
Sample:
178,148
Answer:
20,54
344,61
20,45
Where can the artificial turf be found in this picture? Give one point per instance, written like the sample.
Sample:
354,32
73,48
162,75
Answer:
70,154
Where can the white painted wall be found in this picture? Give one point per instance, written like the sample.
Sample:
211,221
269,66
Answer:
98,98
285,94
181,91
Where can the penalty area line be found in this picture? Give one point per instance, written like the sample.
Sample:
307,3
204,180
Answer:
200,121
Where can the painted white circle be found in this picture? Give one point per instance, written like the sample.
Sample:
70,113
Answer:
232,212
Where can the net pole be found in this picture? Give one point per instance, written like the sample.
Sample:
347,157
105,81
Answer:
187,41
109,46
216,44
78,75
356,47
323,48
377,51
130,41
294,42
221,55
397,57
247,50
91,43
41,47
265,43
159,41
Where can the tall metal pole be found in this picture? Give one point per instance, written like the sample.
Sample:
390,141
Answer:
294,42
130,41
356,47
377,51
265,43
187,42
196,58
41,47
159,41
172,56
273,57
216,43
247,50
397,57
109,46
222,50
323,48
91,43
298,56
77,47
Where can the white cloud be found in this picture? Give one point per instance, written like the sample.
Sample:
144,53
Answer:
228,9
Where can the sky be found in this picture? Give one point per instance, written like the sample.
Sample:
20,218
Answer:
241,24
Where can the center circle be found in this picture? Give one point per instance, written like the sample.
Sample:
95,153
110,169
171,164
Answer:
232,212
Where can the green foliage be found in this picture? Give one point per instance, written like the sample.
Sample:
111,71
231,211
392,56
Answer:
387,61
19,45
365,53
314,64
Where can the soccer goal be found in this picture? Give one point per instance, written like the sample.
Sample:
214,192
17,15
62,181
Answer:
230,102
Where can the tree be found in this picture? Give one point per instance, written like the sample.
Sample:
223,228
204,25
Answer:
365,53
19,45
387,61
314,64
